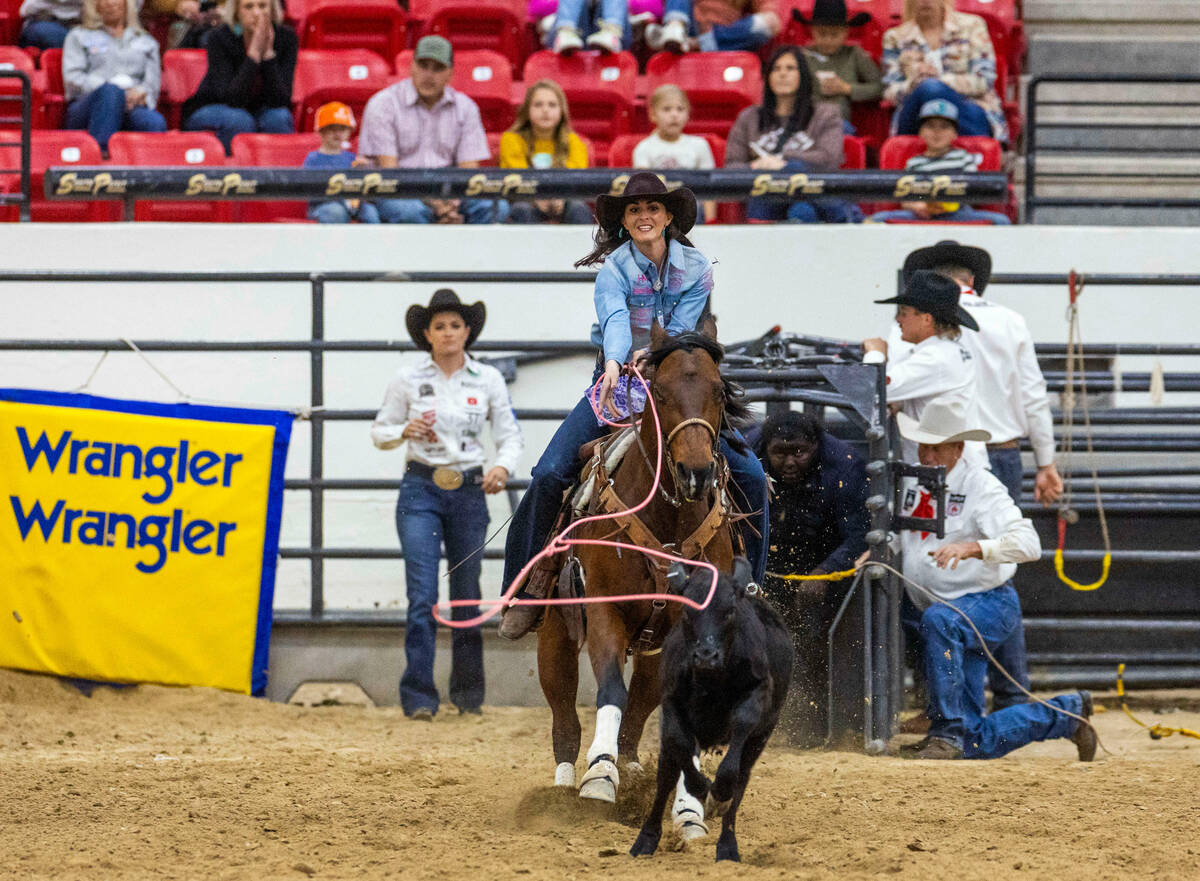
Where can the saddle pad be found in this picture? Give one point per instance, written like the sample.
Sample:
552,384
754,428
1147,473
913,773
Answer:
613,450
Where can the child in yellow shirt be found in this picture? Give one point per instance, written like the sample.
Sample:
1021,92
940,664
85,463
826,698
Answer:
541,137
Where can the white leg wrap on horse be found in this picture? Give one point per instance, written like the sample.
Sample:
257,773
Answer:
687,813
601,779
564,774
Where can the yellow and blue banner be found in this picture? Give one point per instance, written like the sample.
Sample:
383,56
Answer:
138,541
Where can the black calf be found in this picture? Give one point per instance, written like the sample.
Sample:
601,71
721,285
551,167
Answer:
725,673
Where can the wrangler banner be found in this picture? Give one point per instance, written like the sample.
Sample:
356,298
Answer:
138,541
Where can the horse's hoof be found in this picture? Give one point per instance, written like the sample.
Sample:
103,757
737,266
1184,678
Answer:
690,829
714,808
564,774
600,782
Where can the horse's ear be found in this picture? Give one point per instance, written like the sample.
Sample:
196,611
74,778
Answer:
742,574
658,336
677,578
708,326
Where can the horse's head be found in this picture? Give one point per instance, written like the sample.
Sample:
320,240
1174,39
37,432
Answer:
691,398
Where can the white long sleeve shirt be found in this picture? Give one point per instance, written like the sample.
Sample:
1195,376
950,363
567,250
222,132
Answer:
1011,389
459,405
934,369
978,508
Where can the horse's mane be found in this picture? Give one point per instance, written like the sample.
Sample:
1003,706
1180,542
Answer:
737,413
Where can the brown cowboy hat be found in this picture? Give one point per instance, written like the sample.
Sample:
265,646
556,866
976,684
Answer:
444,300
681,202
977,260
831,12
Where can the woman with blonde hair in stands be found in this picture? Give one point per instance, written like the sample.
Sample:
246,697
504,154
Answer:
541,137
937,52
111,72
248,85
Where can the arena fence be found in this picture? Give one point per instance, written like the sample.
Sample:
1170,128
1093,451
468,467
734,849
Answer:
1112,141
23,99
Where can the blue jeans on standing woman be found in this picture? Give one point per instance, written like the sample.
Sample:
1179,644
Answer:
775,208
426,518
971,118
226,122
559,468
102,112
956,667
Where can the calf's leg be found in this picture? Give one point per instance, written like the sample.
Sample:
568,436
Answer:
727,846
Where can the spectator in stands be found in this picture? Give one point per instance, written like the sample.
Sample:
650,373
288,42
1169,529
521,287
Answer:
714,25
541,137
421,122
194,21
111,72
608,33
335,124
819,525
939,128
667,147
439,405
842,74
248,84
790,133
45,23
939,53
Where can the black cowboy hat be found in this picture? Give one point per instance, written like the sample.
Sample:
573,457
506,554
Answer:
977,260
831,12
444,300
935,294
681,202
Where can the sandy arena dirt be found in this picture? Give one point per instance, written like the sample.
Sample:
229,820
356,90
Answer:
189,783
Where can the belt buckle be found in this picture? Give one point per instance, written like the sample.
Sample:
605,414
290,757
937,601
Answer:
447,478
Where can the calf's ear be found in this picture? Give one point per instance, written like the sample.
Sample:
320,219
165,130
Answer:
742,574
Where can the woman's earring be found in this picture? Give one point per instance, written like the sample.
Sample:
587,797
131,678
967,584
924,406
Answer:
620,232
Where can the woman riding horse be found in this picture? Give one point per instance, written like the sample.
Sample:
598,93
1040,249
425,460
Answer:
651,274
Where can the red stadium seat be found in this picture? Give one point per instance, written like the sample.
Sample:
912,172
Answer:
351,76
484,76
869,35
10,21
498,25
284,151
183,70
172,149
55,148
12,58
896,151
378,25
854,153
718,85
599,88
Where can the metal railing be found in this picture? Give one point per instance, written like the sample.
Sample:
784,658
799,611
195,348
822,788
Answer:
25,99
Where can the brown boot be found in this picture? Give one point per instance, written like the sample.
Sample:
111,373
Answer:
1084,738
931,748
518,620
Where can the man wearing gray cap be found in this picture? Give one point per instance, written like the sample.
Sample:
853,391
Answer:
422,122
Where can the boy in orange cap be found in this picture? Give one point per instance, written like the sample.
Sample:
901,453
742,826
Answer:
335,124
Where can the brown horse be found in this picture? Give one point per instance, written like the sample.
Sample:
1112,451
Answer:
689,514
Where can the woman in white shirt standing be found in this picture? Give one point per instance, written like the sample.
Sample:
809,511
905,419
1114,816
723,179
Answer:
111,72
439,406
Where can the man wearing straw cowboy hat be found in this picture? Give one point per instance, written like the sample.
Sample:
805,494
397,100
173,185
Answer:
968,595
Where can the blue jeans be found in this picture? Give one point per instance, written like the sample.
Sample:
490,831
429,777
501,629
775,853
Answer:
964,213
426,518
776,208
956,667
102,112
971,118
740,35
416,211
339,212
43,34
577,14
574,211
1006,465
226,122
559,467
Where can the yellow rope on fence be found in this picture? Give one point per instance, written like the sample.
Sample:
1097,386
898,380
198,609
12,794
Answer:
1156,732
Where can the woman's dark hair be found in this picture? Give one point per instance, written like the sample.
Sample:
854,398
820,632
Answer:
802,110
605,241
791,426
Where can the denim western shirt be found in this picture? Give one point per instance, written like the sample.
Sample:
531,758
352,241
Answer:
630,297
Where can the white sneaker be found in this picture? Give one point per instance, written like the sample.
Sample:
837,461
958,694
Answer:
654,37
566,41
546,24
674,37
607,39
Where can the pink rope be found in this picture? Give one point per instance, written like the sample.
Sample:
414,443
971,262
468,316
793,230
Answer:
561,542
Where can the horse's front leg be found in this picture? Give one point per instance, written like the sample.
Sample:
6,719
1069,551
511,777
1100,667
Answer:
606,641
643,698
558,671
